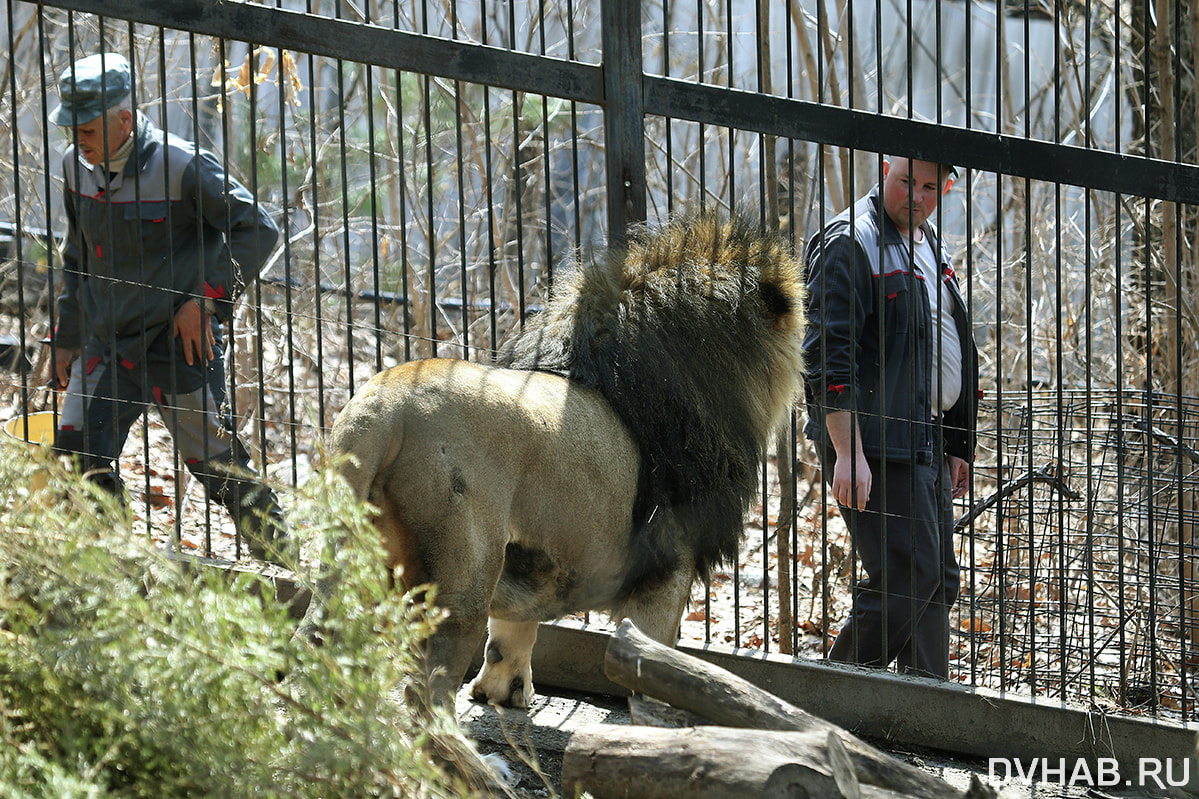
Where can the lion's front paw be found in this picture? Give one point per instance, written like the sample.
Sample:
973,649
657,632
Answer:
496,688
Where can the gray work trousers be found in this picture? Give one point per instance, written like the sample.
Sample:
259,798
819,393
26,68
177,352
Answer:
904,540
106,396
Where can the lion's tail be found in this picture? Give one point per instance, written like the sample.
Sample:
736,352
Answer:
356,443
360,453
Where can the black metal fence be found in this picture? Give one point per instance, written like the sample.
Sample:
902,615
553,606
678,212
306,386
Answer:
430,163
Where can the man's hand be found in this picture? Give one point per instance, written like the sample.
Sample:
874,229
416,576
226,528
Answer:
959,476
192,325
851,474
852,481
63,358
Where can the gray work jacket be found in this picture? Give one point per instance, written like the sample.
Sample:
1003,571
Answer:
869,343
171,226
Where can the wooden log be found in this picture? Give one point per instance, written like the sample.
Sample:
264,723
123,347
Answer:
641,664
653,713
645,666
609,760
842,768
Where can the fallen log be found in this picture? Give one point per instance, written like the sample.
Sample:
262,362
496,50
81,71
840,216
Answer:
641,664
651,713
609,760
645,666
630,762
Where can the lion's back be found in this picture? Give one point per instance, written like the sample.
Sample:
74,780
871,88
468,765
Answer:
544,460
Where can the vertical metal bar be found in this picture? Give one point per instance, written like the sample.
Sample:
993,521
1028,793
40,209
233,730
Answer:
1089,335
667,26
226,135
730,177
373,193
1030,420
546,166
426,82
730,182
822,216
176,527
402,191
51,250
110,232
972,631
488,185
135,91
1179,303
1058,506
768,220
793,446
255,290
286,74
999,565
973,612
1118,315
702,141
517,199
1150,393
879,482
223,78
464,285
576,198
347,255
624,115
315,186
142,279
1059,443
18,212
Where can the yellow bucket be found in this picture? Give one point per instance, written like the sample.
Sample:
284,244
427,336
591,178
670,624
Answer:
40,432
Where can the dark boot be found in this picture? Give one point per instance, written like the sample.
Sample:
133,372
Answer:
97,471
260,524
109,481
253,507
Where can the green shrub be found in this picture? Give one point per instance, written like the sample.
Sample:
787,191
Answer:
123,673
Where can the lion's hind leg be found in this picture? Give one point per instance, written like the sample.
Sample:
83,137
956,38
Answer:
657,609
463,564
507,674
449,650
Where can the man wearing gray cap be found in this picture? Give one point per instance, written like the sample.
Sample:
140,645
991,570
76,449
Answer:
892,389
160,242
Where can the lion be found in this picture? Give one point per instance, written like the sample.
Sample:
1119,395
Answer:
604,462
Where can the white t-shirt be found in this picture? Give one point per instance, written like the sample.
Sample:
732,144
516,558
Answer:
947,346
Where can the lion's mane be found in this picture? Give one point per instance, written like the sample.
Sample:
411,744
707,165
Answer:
692,333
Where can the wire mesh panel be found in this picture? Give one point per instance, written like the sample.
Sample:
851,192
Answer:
1082,584
431,164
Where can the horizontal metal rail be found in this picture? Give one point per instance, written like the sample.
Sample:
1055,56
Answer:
774,116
